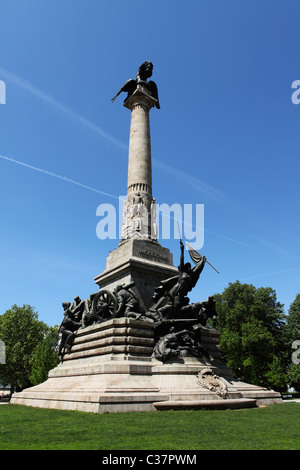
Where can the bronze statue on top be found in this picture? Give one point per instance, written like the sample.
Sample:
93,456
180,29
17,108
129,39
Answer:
144,72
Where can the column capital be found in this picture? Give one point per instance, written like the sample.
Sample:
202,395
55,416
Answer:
140,96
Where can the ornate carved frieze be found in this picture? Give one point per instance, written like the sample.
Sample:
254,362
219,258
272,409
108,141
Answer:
207,379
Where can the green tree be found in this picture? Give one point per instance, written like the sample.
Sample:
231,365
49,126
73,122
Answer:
250,321
21,332
292,335
45,356
293,320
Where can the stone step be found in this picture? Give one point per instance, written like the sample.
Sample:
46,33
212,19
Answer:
211,404
98,334
112,349
113,340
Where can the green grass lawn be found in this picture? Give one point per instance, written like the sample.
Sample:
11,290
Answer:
273,427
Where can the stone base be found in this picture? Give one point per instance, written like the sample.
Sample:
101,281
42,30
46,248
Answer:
110,369
144,262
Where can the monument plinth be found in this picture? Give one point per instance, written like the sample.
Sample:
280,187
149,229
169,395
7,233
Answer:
111,368
138,344
142,262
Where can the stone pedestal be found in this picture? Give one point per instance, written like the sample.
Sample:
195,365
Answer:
111,369
144,262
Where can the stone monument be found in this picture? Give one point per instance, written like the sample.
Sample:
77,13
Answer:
138,344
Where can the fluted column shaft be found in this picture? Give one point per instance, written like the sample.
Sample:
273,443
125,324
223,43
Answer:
139,158
139,203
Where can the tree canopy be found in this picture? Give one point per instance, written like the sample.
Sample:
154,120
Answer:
45,356
251,324
22,333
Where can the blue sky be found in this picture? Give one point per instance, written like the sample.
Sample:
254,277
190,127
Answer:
226,136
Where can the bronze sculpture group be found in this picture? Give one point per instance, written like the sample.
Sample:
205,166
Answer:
177,323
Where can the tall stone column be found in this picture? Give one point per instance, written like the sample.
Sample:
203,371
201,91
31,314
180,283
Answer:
139,210
139,258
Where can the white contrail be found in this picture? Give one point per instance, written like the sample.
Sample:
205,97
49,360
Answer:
61,107
64,178
195,182
191,180
270,273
